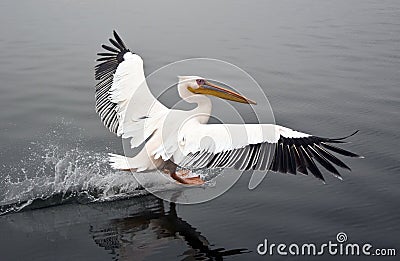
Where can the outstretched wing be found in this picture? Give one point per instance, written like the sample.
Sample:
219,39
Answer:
122,94
259,147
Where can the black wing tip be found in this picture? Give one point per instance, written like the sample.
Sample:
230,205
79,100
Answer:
117,43
343,152
119,40
109,48
114,55
343,138
116,35
321,178
312,150
340,151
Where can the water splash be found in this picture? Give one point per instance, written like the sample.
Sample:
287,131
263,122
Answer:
61,171
52,175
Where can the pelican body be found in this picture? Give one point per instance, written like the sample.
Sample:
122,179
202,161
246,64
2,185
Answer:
178,138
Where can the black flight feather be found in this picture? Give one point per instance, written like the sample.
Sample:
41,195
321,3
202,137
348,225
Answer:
104,73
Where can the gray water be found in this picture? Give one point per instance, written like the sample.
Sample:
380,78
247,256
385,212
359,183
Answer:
328,68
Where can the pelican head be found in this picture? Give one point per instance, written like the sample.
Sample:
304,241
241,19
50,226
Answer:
200,85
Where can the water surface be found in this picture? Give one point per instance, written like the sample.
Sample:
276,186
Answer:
328,68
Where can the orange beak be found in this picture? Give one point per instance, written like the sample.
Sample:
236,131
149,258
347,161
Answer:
209,88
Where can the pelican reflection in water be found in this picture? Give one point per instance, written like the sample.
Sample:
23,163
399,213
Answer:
138,228
140,235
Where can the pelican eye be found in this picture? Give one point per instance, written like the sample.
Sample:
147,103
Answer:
200,82
182,142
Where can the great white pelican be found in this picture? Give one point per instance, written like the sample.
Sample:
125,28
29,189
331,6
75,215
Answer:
178,138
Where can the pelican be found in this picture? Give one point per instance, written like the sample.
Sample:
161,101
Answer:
178,139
